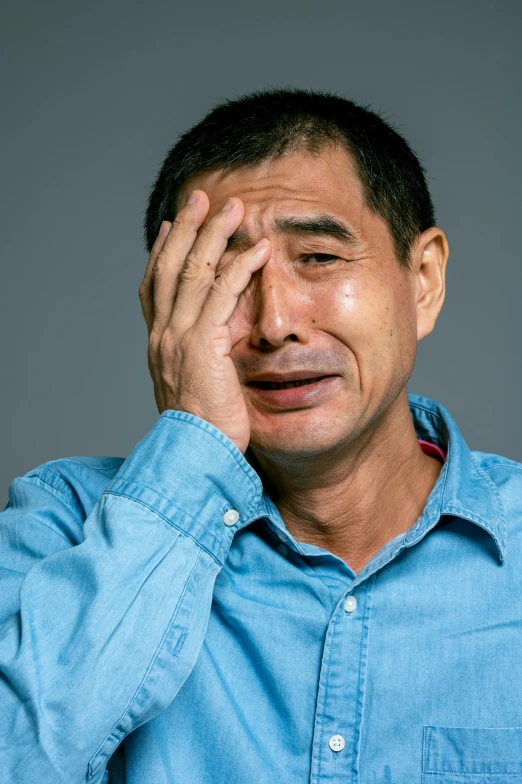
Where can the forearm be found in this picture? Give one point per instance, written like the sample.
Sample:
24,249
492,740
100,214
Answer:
108,631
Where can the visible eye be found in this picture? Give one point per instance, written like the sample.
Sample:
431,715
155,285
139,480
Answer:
321,258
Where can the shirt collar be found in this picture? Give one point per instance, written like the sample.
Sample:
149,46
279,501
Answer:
463,488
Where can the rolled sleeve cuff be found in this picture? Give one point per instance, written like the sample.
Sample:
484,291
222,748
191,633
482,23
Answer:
191,474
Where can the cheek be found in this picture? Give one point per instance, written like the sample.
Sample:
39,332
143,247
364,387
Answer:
355,313
397,335
376,322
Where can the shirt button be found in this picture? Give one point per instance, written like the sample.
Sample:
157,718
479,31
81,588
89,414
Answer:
231,517
337,743
282,550
350,604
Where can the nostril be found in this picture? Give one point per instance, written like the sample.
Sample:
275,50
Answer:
277,340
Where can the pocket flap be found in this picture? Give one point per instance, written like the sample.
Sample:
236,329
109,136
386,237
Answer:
468,750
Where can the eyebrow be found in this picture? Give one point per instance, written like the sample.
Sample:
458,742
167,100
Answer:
324,224
318,224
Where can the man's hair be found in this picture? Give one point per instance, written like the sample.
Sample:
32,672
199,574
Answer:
271,123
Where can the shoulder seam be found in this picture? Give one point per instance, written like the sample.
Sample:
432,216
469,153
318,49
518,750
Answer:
119,461
56,485
514,464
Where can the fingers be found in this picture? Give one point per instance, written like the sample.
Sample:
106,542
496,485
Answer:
145,290
170,259
228,286
198,272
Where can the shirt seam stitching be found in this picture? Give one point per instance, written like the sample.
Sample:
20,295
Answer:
427,750
246,470
79,463
514,465
166,520
252,507
361,677
492,486
98,752
36,479
326,691
430,411
53,487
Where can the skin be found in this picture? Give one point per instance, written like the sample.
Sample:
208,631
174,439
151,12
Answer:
339,457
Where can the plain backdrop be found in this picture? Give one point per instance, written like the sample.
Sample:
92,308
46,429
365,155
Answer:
93,95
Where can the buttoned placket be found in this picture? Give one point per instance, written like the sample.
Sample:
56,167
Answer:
342,681
338,723
338,716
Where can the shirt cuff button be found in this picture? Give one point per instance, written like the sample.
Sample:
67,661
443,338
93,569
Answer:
231,517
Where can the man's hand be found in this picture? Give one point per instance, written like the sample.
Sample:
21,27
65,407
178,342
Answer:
187,308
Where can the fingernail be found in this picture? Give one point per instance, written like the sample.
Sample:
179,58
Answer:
193,197
228,205
164,229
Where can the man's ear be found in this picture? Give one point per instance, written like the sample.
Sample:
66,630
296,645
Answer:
428,265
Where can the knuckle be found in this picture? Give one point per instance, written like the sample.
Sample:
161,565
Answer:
160,262
166,344
190,270
156,334
183,223
180,221
221,285
208,229
183,345
195,269
172,345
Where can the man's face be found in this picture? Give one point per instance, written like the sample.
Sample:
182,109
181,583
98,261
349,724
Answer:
333,303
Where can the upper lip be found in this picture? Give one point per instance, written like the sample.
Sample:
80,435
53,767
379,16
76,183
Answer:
282,378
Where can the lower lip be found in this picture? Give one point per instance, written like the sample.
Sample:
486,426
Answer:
293,397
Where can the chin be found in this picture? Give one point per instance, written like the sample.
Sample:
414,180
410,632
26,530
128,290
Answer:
300,439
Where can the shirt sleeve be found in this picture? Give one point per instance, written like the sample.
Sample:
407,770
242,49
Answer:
98,633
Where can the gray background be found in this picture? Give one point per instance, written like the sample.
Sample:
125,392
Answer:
95,93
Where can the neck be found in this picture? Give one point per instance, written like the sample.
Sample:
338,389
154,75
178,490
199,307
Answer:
352,502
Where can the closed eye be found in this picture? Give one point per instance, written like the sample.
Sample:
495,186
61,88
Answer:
320,258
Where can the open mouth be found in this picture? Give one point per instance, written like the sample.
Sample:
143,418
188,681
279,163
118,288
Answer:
285,384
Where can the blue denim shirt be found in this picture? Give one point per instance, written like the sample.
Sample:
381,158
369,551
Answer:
146,637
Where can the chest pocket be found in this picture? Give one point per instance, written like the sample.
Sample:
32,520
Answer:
466,755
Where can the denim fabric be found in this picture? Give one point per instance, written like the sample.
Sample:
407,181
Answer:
144,641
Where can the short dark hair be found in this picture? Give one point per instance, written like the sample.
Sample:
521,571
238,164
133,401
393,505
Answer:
267,124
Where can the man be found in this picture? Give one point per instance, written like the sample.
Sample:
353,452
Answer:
298,574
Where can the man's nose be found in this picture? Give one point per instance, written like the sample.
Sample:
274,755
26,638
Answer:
279,309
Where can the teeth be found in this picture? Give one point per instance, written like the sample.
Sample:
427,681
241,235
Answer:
287,384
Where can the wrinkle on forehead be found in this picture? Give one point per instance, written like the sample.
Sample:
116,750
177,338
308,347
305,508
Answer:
297,185
327,179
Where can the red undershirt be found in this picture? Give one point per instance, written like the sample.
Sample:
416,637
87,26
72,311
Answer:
432,450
